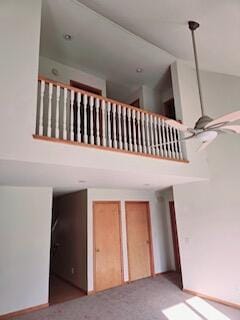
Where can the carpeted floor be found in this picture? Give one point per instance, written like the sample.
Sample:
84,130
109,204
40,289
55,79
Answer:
149,299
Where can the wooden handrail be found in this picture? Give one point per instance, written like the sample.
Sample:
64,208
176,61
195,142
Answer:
63,85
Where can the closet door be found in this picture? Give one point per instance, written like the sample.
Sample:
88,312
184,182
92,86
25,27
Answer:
140,261
107,245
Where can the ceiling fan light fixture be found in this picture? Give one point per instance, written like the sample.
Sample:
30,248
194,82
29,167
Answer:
207,136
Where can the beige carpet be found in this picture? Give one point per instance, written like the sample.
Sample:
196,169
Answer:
149,299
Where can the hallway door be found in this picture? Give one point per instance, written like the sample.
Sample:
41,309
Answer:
140,262
107,245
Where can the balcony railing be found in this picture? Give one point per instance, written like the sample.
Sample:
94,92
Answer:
67,114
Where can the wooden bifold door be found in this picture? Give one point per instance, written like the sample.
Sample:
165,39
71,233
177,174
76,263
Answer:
140,259
107,245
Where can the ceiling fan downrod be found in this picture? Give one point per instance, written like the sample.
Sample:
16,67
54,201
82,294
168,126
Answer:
193,25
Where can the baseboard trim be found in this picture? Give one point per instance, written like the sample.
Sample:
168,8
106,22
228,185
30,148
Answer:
91,293
204,296
165,272
23,311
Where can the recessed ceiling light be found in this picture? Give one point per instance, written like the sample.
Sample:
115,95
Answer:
81,181
55,72
139,70
146,184
67,36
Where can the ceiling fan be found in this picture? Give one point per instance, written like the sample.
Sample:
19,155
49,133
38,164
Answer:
206,129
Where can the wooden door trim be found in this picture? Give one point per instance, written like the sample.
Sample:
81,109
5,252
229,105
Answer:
152,269
94,240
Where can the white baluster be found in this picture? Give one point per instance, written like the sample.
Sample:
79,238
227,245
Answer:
119,126
164,138
50,90
97,123
91,101
151,135
179,144
65,113
156,136
143,132
109,124
42,90
172,142
168,140
79,117
139,132
124,129
71,116
134,130
175,142
149,149
85,135
114,125
160,138
103,123
57,112
129,129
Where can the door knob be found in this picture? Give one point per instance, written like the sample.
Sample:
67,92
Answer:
148,241
97,250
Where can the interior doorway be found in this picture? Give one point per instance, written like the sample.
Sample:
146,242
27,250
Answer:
63,275
140,257
175,241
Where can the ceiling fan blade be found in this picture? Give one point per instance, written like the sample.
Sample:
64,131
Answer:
178,125
204,145
233,129
230,117
180,140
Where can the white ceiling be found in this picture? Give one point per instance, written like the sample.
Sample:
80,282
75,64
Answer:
164,24
98,45
65,179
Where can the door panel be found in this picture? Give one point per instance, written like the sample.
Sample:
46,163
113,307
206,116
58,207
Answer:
139,242
107,245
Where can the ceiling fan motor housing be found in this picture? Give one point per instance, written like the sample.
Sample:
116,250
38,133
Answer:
202,122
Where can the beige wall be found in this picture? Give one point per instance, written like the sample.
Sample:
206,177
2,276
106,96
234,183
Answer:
70,261
208,212
25,225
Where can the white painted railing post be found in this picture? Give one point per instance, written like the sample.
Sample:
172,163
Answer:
50,90
91,101
114,125
85,135
149,149
143,132
97,123
109,134
103,123
124,129
139,132
179,144
160,138
129,129
57,112
42,90
134,130
164,142
156,135
172,142
120,127
79,117
175,143
65,113
168,141
152,136
71,116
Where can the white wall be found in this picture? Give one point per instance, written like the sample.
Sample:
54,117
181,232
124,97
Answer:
161,249
25,224
67,73
208,212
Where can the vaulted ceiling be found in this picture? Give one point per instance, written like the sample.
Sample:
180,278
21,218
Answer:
112,38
